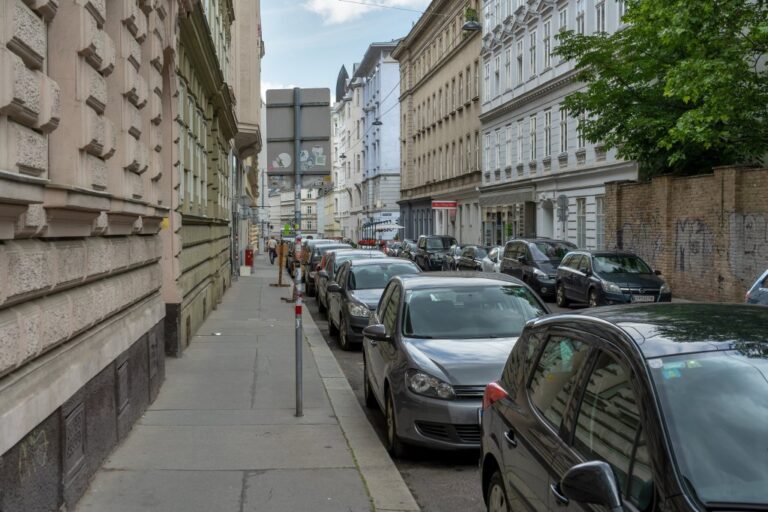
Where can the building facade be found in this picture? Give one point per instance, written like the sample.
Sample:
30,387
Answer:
439,123
380,185
540,176
348,187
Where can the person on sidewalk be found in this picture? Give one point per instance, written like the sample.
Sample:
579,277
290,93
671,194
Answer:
272,247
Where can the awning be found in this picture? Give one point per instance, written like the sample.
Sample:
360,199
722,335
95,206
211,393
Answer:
508,197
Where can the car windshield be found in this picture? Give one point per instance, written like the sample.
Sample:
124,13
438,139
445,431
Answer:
715,405
480,252
440,243
619,264
467,312
545,251
341,258
370,277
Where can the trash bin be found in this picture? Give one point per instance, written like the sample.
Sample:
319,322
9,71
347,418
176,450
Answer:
249,257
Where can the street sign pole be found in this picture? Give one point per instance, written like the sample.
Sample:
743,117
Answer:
297,250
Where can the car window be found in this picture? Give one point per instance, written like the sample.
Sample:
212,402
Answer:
555,376
608,428
543,251
370,277
389,317
586,262
621,264
527,253
764,284
508,250
342,276
467,252
384,300
577,261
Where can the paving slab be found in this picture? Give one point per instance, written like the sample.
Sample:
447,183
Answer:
222,418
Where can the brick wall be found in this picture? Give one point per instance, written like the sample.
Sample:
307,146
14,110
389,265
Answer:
707,234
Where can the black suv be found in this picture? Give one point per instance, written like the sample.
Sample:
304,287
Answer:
642,408
602,277
431,250
535,262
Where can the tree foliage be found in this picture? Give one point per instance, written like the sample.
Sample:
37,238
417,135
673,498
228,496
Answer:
681,88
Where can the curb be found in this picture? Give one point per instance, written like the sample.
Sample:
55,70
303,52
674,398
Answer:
386,487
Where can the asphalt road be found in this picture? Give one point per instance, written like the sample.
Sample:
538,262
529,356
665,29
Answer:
440,481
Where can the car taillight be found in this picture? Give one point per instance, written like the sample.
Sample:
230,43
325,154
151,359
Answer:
493,393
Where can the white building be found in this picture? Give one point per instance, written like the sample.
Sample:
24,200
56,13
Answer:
540,177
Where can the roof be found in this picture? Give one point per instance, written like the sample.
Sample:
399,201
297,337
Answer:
681,328
379,261
371,57
455,279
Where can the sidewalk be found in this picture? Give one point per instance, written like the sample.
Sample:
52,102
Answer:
222,435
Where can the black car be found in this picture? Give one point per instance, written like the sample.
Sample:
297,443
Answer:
535,261
601,277
431,250
472,258
356,291
452,257
312,262
408,249
758,294
638,408
330,265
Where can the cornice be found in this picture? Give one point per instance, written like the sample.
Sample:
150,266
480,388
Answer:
515,103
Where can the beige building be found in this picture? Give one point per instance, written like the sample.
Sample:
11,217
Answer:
116,126
440,125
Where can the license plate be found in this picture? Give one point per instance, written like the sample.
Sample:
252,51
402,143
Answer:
643,298
479,415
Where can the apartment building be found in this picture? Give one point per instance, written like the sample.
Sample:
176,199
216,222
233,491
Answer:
540,176
348,185
439,124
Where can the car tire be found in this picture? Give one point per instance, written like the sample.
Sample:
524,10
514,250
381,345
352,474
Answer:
594,298
560,298
370,400
344,342
394,445
496,497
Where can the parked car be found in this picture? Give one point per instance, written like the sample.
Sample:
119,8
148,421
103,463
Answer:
472,258
600,277
329,266
357,291
639,408
535,261
492,260
289,242
394,249
758,294
408,250
452,257
431,250
432,345
312,263
307,246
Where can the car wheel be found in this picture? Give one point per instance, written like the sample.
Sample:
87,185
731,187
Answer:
594,298
394,444
370,400
497,496
560,296
344,342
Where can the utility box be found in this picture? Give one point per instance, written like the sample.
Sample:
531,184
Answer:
249,257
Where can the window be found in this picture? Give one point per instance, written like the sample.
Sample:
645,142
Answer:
582,142
555,376
487,152
519,154
547,132
497,12
487,95
547,44
580,16
608,428
477,78
621,10
468,90
496,76
453,94
519,61
532,131
461,88
508,69
563,130
600,222
562,19
508,146
581,222
600,17
477,150
499,151
532,52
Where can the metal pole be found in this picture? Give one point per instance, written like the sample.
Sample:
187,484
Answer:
297,251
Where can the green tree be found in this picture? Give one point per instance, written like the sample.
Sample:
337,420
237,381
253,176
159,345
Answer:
683,87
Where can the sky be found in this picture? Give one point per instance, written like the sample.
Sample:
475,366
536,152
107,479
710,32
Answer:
307,41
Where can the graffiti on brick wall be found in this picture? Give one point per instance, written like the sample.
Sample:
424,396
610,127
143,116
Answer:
643,237
694,246
748,254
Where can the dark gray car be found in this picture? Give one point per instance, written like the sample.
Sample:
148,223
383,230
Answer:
330,266
535,261
357,290
433,344
313,260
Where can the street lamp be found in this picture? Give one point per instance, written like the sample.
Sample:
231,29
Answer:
377,123
472,26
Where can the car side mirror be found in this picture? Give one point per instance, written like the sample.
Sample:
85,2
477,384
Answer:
323,273
522,259
657,272
585,271
592,482
376,332
333,288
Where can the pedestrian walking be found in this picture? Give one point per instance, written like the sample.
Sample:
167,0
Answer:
272,247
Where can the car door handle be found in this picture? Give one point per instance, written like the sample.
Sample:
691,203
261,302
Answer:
509,435
559,497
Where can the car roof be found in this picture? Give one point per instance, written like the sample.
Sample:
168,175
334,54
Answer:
666,329
602,253
466,278
344,250
327,247
378,261
542,240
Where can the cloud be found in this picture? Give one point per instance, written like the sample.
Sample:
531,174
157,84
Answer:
336,11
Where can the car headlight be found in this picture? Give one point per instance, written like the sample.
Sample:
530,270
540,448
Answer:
665,288
539,273
611,287
358,310
425,384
